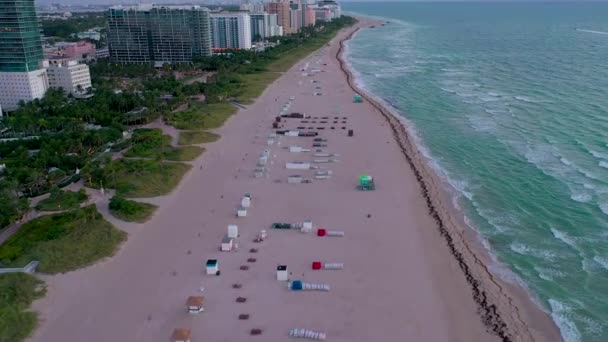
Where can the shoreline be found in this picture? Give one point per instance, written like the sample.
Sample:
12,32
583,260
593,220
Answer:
409,286
481,280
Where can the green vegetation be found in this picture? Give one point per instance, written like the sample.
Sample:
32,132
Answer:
131,211
254,85
12,207
140,178
148,143
17,292
186,153
62,242
197,117
68,28
151,143
196,137
62,200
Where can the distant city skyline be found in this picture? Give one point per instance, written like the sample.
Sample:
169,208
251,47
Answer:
232,2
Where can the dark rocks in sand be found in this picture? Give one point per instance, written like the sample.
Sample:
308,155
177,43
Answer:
241,299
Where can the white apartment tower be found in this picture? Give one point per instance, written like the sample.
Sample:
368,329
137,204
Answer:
69,76
231,30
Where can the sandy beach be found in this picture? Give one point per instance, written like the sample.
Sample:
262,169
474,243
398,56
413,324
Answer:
412,272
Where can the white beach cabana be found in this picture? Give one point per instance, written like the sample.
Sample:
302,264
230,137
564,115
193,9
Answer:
297,166
294,179
227,244
246,202
282,273
212,267
241,212
233,231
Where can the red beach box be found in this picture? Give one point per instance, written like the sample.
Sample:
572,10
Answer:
321,232
316,265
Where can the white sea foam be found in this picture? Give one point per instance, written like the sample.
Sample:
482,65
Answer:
588,186
565,238
602,261
489,98
603,207
524,249
548,274
462,94
592,31
526,99
565,161
603,164
482,124
581,197
495,111
597,154
587,265
469,85
561,313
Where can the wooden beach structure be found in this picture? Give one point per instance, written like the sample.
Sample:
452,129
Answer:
181,335
194,304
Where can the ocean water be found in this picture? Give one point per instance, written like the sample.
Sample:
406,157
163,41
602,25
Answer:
510,103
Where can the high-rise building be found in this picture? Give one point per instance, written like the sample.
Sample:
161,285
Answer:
259,26
258,7
158,34
231,30
20,43
281,9
263,25
22,77
328,10
310,17
295,20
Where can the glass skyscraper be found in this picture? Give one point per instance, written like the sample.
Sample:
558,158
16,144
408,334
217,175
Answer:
159,35
20,42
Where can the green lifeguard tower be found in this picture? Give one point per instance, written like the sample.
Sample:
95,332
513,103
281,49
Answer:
357,98
366,183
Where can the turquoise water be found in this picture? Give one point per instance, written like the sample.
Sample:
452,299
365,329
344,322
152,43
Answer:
510,102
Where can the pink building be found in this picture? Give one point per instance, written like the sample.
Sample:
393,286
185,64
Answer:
79,50
310,17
